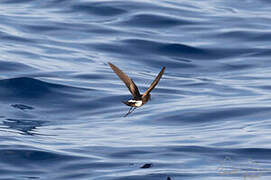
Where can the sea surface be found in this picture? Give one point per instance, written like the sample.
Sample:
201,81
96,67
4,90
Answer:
61,115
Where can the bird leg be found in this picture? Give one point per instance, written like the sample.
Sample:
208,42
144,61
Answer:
130,111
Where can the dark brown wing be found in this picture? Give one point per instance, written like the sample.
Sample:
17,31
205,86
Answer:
155,82
128,82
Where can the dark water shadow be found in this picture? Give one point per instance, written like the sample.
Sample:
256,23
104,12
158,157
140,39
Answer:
24,126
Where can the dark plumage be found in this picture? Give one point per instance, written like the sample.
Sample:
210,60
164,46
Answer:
138,99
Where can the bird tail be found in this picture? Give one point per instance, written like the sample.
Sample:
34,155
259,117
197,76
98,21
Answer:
127,103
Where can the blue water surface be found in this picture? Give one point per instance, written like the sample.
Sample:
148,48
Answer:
61,115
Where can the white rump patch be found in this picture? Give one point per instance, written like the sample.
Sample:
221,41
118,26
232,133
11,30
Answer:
137,103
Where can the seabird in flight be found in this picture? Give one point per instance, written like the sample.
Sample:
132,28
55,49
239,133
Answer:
138,99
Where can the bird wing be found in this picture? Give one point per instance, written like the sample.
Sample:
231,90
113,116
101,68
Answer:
128,82
154,83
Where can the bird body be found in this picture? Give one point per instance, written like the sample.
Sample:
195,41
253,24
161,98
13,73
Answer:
138,99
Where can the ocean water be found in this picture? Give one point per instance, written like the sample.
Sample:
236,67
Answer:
61,115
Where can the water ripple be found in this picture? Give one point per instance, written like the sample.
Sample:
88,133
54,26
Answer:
61,115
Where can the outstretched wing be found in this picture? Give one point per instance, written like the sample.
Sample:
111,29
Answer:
155,82
128,82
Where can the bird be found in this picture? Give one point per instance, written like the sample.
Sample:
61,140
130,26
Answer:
138,99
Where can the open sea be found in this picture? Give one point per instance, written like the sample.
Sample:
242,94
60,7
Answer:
61,115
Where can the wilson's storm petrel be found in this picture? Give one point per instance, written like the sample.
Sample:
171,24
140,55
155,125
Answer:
138,99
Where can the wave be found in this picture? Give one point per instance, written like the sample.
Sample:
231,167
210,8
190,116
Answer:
154,21
27,87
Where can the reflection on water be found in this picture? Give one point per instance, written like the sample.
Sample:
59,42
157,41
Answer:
22,107
23,126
